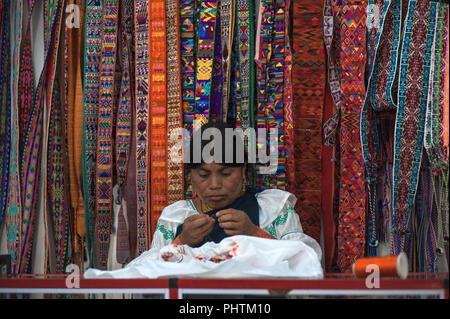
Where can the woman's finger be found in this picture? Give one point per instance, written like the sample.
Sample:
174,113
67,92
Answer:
229,225
231,215
199,221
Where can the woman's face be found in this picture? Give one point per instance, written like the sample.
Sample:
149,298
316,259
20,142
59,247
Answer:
217,185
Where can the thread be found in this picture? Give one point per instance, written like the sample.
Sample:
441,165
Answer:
389,266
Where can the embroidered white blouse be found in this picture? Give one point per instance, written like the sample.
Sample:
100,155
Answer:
276,217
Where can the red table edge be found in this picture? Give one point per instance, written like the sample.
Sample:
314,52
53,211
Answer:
346,282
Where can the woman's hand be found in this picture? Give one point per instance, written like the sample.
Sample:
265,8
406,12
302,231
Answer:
235,222
195,228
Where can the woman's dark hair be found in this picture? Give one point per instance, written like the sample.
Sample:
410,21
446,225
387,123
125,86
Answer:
221,137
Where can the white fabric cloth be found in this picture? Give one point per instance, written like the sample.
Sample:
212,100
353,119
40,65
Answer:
234,257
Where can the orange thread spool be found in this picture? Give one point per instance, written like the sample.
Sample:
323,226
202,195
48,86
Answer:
389,266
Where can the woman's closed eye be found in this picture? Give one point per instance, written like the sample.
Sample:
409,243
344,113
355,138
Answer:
203,173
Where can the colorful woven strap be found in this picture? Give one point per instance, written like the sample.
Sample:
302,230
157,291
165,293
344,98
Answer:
243,25
13,218
252,78
289,134
75,132
410,120
123,128
175,191
187,9
187,61
330,126
55,197
428,233
227,28
369,133
204,60
384,75
215,108
26,91
276,88
104,131
5,104
141,15
33,148
309,76
434,122
57,181
158,109
263,48
352,60
92,53
446,94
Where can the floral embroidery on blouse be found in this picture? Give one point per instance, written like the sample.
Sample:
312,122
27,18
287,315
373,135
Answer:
168,234
280,220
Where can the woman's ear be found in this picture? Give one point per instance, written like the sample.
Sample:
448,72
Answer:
244,171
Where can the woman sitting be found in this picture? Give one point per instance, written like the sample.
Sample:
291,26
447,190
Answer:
223,206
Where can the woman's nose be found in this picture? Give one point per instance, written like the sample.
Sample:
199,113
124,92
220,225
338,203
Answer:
215,182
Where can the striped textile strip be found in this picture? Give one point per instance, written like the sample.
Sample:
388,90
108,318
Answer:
243,26
227,27
446,94
385,65
104,131
444,132
352,205
50,8
375,12
309,80
92,53
187,52
410,119
174,110
187,61
329,177
431,242
123,128
14,214
131,216
331,114
158,111
369,133
330,29
276,106
288,108
438,153
26,88
215,108
5,105
54,178
58,201
425,211
269,180
252,77
75,130
26,84
263,50
141,16
32,154
234,103
433,132
204,59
